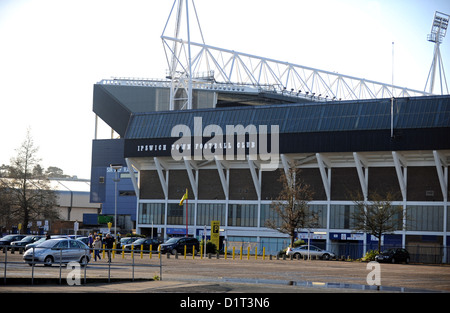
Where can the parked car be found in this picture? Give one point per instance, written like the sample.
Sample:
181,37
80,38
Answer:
313,251
393,256
126,240
176,244
85,240
34,244
60,250
26,240
145,243
6,241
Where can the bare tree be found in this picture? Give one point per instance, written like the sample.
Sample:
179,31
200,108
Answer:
377,216
27,192
291,206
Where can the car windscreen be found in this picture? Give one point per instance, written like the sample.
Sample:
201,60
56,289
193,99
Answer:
47,244
172,240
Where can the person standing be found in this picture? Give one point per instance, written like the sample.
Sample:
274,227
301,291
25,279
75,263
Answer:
97,247
109,244
91,240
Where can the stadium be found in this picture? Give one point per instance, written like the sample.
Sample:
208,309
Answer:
227,143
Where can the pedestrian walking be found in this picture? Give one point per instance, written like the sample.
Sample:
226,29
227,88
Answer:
97,247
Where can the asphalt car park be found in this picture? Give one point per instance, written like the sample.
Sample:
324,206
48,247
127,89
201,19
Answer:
268,275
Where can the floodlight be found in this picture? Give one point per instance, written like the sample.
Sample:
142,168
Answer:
439,27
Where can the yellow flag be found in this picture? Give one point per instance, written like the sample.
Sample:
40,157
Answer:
185,196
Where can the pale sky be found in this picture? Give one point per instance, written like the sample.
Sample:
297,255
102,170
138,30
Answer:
53,51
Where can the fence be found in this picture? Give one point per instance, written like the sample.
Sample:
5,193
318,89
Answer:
13,263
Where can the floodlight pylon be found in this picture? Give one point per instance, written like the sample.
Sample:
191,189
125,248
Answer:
438,32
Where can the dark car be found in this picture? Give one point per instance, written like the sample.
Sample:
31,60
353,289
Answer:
126,240
6,241
26,240
144,242
393,256
176,244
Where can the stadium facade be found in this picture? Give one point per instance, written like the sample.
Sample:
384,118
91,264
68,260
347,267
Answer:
381,145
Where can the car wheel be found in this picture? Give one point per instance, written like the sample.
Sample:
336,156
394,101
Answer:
48,261
326,256
174,251
84,261
393,260
297,256
407,260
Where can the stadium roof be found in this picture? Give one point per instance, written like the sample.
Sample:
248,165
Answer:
331,116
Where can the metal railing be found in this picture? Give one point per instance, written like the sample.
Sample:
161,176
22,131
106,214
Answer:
13,263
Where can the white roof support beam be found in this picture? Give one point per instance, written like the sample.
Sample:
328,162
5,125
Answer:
225,180
363,173
190,165
255,177
287,164
442,171
164,181
325,172
134,179
401,165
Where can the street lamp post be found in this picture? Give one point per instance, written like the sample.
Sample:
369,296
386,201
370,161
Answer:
115,167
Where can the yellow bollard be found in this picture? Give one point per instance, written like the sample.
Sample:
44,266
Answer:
234,249
193,252
150,251
142,251
93,254
240,257
201,252
185,252
103,251
256,253
248,253
114,250
123,252
264,253
225,251
159,252
132,251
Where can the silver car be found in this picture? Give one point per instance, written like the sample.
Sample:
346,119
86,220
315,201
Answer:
313,251
60,250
